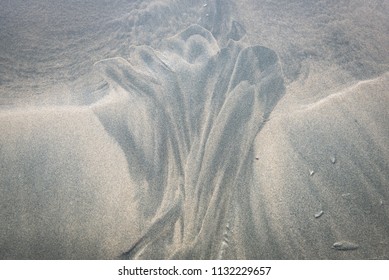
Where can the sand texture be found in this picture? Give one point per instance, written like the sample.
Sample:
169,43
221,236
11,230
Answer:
194,130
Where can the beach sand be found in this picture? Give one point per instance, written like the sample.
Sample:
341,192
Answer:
194,130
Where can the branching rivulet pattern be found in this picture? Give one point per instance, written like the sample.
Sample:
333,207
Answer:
187,116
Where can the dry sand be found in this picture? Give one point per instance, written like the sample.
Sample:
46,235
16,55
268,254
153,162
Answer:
175,129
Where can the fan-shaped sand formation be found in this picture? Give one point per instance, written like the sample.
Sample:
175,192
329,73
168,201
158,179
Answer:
194,110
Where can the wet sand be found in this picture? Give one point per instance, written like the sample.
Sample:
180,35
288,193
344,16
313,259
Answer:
194,130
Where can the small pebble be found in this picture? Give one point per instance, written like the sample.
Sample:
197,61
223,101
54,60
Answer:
345,246
319,214
311,172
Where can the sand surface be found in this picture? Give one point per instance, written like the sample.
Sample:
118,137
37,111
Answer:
194,129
